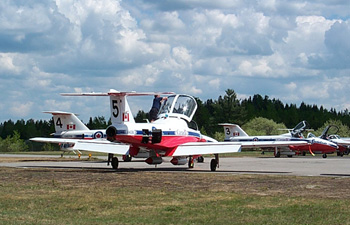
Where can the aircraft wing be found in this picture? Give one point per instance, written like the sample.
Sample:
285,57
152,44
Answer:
54,140
341,141
201,148
103,146
270,144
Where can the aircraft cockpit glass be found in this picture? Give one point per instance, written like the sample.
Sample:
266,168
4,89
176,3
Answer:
310,135
302,125
183,105
166,106
334,136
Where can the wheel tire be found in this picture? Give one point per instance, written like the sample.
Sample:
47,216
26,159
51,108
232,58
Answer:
278,154
324,156
127,158
115,163
200,159
213,164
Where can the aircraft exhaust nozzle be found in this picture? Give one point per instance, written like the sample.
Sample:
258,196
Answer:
111,132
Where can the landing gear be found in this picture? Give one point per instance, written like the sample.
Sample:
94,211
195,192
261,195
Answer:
324,155
214,163
200,159
127,158
277,154
341,154
115,163
190,162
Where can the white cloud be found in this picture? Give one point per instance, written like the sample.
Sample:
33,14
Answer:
21,109
7,64
292,50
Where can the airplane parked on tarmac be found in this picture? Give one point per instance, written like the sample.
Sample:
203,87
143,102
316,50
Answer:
173,134
69,126
289,144
343,143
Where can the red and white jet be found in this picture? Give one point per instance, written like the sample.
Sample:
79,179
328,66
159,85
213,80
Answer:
285,144
173,134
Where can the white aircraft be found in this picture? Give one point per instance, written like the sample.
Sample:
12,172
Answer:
343,143
173,134
69,126
285,144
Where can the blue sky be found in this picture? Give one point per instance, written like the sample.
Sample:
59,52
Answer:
296,51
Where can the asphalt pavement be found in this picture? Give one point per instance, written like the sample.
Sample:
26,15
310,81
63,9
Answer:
297,166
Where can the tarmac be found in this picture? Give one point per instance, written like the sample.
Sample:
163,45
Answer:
295,166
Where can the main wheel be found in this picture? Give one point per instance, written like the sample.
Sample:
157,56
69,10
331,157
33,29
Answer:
200,159
127,158
324,155
115,163
278,154
213,164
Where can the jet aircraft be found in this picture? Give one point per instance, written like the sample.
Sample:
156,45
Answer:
289,144
69,126
280,143
343,143
173,134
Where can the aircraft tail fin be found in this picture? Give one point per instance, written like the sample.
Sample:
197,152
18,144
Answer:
233,130
66,121
120,110
119,107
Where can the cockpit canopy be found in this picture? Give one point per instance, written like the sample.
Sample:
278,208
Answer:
299,129
183,106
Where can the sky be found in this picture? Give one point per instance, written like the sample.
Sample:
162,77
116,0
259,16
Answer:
292,50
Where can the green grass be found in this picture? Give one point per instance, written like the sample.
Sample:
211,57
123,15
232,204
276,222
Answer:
54,205
40,196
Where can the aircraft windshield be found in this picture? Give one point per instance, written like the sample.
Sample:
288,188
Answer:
166,107
310,135
180,104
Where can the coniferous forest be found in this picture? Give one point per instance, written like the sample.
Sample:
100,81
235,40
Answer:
224,109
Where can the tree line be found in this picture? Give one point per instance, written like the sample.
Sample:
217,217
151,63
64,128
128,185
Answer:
210,113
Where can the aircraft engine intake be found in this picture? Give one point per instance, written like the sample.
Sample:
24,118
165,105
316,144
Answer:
154,160
111,133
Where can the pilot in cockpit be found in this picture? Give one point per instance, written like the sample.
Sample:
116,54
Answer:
157,101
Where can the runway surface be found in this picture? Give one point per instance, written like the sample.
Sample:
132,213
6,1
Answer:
297,166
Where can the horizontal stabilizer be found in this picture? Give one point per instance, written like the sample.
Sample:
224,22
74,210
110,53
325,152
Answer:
59,113
118,93
201,148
